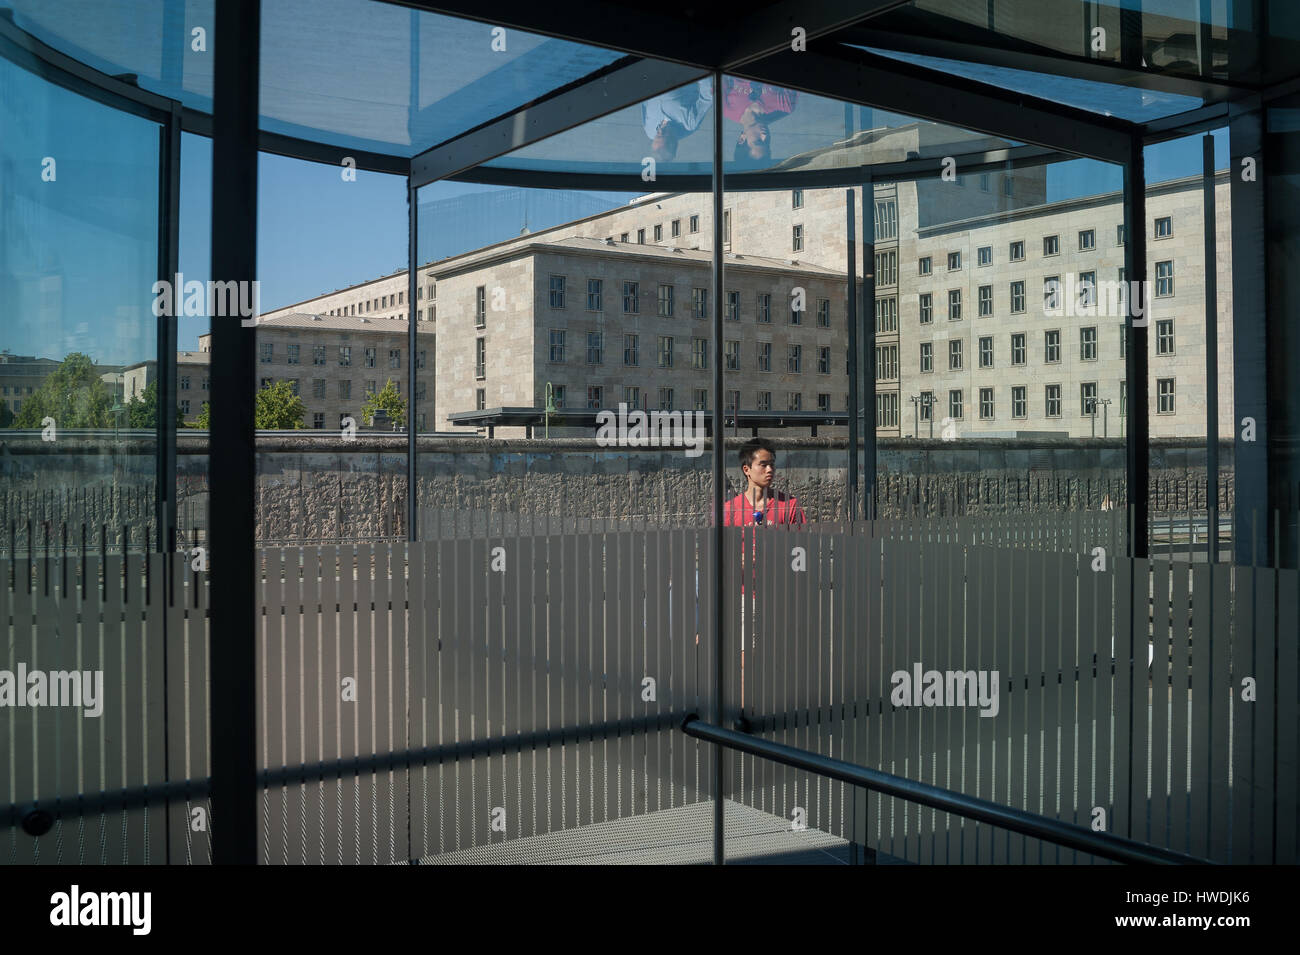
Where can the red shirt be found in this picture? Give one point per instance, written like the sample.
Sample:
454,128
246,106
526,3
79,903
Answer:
737,95
779,509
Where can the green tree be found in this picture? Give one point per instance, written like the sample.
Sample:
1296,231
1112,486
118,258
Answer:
73,395
204,418
142,410
387,400
278,408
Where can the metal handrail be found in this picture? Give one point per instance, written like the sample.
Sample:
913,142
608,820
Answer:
1061,833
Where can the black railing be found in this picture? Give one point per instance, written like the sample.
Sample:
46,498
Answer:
1061,833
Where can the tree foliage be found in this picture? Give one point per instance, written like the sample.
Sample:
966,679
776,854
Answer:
387,400
142,409
278,408
73,395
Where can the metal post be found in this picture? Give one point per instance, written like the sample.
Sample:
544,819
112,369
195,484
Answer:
868,362
169,219
412,350
719,483
853,354
1211,350
232,652
1135,270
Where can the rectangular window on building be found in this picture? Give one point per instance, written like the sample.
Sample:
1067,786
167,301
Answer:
733,355
887,267
700,399
557,291
954,355
886,363
394,358
595,348
796,198
823,401
954,261
1017,251
665,300
632,396
1164,279
185,404
1051,293
1165,396
986,351
986,404
1165,336
595,396
368,356
1051,245
1087,240
794,358
1088,343
984,255
370,387
480,358
640,236
421,389
345,355
824,360
700,302
480,307
1123,398
480,399
1088,398
185,384
318,388
764,401
796,238
823,313
631,297
887,314
764,352
665,399
1052,396
726,228
764,308
955,404
1008,186
695,223
1087,289
1052,347
345,390
796,315
1164,228
291,355
557,344
318,420
419,362
794,401
1018,348
1017,297
1019,401
1119,234
631,350
926,307
699,353
268,352
886,219
986,301
675,231
665,351
659,233
954,305
923,266
595,290
927,357
733,306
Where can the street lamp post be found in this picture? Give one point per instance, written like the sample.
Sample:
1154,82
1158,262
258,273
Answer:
1105,414
916,415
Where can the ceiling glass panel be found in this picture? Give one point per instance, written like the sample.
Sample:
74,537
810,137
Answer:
352,73
1108,99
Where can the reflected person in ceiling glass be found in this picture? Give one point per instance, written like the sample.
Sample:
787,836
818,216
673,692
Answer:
755,106
673,116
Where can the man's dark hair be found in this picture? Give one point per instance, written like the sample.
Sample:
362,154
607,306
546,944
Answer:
752,447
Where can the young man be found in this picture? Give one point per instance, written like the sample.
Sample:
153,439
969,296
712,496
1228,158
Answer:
758,504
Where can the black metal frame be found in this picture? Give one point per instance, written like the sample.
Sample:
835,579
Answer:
684,45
